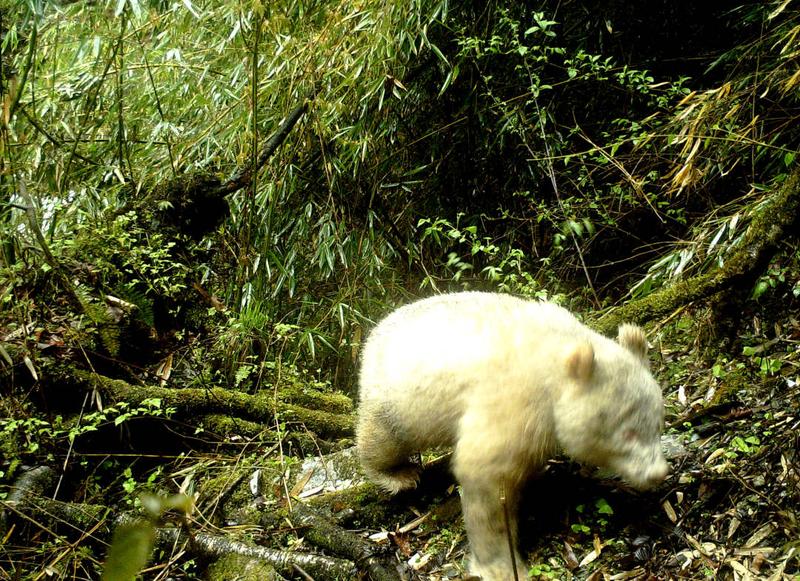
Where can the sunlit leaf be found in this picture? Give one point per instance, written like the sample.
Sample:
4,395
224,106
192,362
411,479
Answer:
130,550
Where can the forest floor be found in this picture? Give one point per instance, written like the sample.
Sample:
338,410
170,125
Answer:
728,510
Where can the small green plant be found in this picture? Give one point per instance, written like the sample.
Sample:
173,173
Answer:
580,528
724,368
543,570
744,445
126,258
772,278
601,509
128,482
133,488
602,506
472,259
767,366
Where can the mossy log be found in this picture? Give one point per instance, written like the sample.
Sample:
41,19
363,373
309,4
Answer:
285,562
80,517
33,482
260,407
226,426
368,506
76,516
767,229
241,568
325,534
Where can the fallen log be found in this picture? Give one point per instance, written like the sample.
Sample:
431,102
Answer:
325,534
94,521
260,407
320,567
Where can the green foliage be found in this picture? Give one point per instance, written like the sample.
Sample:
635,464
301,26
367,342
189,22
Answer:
771,279
597,518
124,255
745,445
340,211
133,542
550,65
602,506
544,571
724,367
505,268
146,125
767,365
580,528
740,445
24,437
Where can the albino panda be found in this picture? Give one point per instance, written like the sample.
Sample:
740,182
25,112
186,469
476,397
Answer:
508,383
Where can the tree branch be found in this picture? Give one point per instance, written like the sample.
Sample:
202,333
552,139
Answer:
769,226
244,176
261,406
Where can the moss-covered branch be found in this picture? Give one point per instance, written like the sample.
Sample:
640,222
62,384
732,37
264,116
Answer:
81,517
768,227
216,546
261,407
325,534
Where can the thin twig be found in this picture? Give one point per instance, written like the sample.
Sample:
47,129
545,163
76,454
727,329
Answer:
69,449
299,570
552,175
511,548
33,221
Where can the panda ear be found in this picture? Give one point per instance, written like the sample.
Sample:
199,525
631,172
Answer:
580,363
633,339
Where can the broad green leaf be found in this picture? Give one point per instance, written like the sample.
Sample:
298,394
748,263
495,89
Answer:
129,552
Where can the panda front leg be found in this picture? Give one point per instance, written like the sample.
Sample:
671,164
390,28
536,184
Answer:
489,499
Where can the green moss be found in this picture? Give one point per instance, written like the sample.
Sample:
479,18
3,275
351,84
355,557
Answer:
240,568
765,232
297,391
735,381
367,506
260,406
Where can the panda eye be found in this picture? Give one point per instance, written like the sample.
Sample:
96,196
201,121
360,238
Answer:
630,435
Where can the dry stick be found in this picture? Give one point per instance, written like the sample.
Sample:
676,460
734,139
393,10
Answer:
626,174
245,175
69,449
71,548
299,570
507,519
552,175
